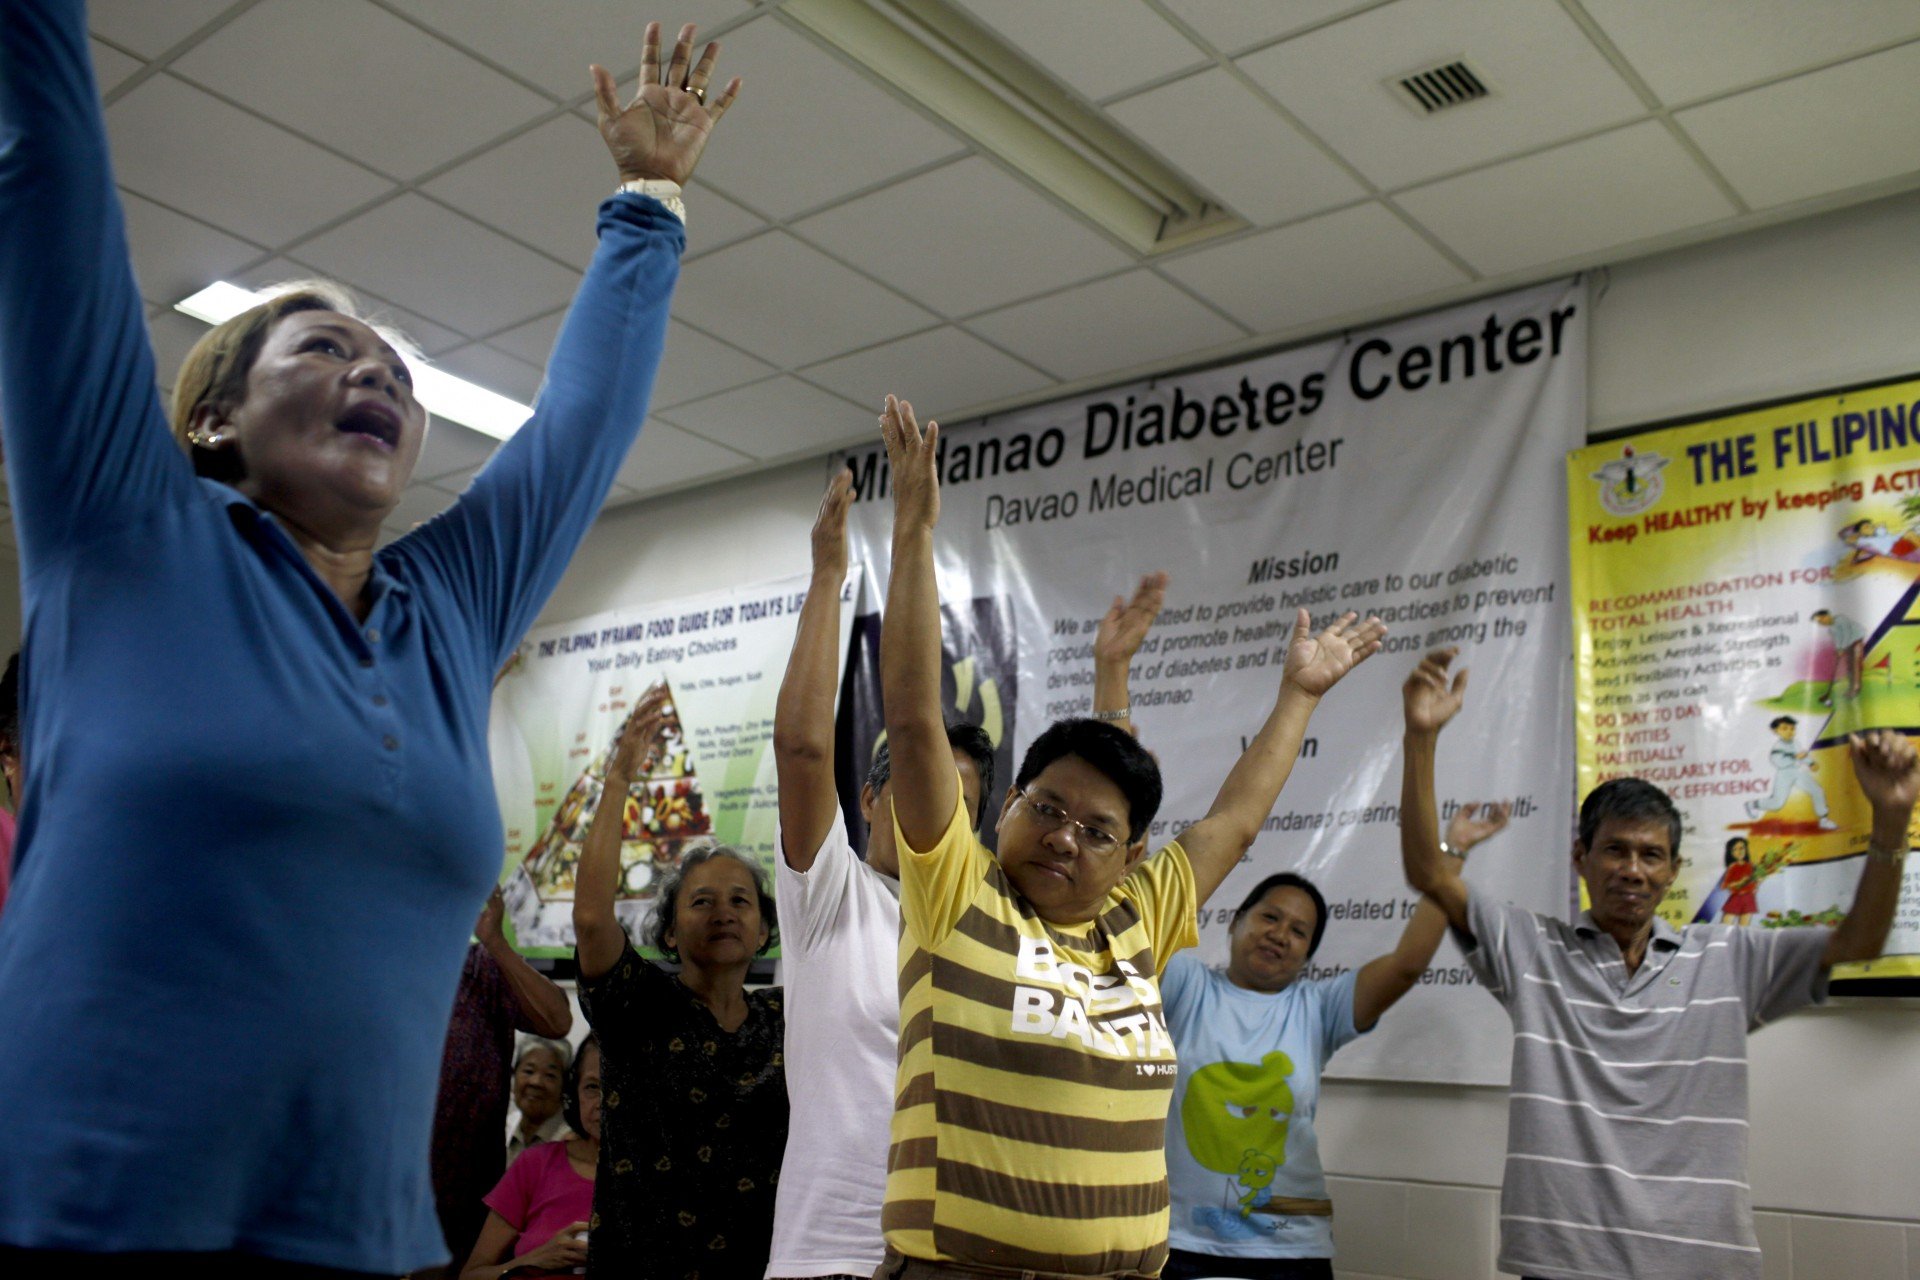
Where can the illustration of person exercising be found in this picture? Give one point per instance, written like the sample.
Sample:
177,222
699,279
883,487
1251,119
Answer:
1791,769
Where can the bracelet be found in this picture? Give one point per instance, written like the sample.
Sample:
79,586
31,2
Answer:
1452,852
1892,857
667,193
1125,713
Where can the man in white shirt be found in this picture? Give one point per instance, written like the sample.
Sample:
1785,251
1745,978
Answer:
840,932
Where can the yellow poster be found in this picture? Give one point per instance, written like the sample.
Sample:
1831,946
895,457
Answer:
1746,592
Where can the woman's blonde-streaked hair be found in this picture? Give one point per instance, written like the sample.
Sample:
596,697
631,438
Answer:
215,371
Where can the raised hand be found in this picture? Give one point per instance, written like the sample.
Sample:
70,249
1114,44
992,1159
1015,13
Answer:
1128,621
1888,769
1316,663
661,133
830,528
1430,701
1472,823
913,458
488,927
640,736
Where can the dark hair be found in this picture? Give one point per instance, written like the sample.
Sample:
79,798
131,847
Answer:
661,921
1823,613
1629,800
1112,751
1287,880
1738,840
10,706
570,1092
970,740
1777,721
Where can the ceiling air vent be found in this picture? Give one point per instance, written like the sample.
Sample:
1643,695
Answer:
1436,88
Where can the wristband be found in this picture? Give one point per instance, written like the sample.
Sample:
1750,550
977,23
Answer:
1891,857
667,193
1125,713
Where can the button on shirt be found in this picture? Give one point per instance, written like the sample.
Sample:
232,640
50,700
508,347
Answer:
1627,1116
238,867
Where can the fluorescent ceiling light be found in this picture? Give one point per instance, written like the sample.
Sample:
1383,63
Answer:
968,76
442,394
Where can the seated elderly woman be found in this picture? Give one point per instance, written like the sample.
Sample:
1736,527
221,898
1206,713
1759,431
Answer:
539,1085
537,1217
267,730
696,1087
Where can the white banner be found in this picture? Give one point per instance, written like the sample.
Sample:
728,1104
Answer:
1414,471
560,706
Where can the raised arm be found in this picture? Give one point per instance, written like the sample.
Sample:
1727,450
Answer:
1383,980
504,545
1116,642
86,440
598,939
1314,665
1888,769
803,716
1429,701
543,1005
926,787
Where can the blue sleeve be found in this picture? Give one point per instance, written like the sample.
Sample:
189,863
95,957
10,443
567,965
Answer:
1180,989
1335,1005
86,441
500,550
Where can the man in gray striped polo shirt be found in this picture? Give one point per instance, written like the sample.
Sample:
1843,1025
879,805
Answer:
1627,1116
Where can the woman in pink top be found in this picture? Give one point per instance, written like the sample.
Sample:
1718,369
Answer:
538,1223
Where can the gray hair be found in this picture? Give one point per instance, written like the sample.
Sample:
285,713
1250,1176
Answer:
558,1048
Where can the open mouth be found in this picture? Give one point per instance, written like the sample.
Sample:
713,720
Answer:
374,420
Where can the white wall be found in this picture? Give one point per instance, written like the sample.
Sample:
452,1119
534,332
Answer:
1836,1147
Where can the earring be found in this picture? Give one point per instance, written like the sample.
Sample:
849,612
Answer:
207,439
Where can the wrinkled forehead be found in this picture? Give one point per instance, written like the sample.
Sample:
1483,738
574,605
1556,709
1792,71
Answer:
719,873
1645,834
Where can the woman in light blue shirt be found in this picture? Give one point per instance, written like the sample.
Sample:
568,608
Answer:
1243,1160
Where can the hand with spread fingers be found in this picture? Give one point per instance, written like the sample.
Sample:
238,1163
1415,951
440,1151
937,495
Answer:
1316,663
633,752
1472,823
1127,622
661,133
913,459
1430,701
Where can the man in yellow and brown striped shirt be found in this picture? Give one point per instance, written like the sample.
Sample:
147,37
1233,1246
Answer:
1035,1066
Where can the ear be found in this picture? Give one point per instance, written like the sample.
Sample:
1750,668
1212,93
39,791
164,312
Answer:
209,427
868,800
1136,851
1006,806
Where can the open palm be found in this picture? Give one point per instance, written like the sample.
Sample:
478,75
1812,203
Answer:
1315,663
661,133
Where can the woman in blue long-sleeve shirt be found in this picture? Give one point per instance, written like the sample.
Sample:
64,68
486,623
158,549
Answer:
259,817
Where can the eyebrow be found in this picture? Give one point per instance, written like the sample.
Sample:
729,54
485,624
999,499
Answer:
334,326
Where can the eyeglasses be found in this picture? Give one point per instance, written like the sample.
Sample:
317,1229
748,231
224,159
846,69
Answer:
1091,839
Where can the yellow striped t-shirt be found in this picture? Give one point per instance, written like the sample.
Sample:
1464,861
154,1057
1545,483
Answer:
1030,1109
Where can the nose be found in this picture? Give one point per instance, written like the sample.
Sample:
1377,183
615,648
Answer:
1062,839
377,373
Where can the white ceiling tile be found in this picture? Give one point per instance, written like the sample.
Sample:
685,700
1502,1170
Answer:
542,187
789,303
418,503
185,148
1100,47
618,495
964,237
173,335
695,365
1232,25
713,220
944,373
358,79
148,28
1691,49
431,260
665,457
1631,184
782,150
1208,125
1550,84
174,256
532,341
110,66
1827,131
553,44
415,331
1106,326
779,418
1332,265
495,370
452,454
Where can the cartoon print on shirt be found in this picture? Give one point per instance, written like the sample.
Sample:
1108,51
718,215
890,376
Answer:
1235,1117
